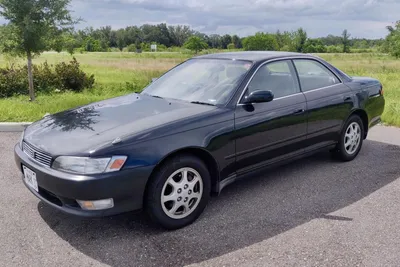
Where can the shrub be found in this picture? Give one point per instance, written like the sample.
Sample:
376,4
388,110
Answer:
131,48
231,46
63,76
92,45
334,49
195,44
260,41
71,77
145,47
13,81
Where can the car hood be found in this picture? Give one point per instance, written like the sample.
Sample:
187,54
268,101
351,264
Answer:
86,129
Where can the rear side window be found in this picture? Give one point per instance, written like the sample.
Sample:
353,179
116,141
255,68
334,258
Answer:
314,75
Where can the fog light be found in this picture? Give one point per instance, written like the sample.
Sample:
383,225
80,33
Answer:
101,204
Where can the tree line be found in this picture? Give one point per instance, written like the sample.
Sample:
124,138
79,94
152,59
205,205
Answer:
133,38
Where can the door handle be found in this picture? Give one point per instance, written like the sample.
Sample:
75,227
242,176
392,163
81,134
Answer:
298,111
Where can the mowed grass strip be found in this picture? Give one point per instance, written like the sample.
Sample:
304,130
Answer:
118,73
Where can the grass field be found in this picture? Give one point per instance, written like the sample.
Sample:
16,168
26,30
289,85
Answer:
121,73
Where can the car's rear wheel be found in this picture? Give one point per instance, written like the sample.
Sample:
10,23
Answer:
178,192
351,139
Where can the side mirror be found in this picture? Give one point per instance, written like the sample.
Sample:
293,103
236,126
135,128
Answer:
259,96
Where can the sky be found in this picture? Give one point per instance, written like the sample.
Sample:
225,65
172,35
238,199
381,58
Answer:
362,18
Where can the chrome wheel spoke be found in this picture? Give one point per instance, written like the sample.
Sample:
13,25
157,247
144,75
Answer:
185,176
195,196
175,207
348,142
354,148
174,184
193,182
186,207
172,197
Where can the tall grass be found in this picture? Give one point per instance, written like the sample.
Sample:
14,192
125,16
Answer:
120,73
376,65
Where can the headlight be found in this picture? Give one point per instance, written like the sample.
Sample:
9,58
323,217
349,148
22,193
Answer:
21,139
85,165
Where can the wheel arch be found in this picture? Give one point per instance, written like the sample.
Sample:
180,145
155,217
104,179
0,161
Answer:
199,152
364,117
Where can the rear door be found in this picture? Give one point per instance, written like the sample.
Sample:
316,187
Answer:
329,101
267,132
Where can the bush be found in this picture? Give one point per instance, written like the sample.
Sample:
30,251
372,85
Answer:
92,45
231,46
46,78
13,81
334,49
260,41
195,44
71,77
131,48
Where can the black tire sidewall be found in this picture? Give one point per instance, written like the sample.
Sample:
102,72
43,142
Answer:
342,153
156,184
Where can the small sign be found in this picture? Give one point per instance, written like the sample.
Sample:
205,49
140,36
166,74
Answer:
153,47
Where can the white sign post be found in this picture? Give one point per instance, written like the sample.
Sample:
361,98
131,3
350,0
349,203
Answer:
153,48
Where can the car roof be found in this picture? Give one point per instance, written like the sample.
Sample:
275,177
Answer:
251,55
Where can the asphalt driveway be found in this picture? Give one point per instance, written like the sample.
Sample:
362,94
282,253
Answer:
314,211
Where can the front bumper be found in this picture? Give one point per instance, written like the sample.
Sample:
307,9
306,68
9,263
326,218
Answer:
61,190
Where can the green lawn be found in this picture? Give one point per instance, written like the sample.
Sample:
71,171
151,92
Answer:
121,73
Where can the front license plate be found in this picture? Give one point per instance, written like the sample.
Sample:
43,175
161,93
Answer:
30,178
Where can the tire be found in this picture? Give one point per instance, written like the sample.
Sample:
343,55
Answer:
353,134
170,201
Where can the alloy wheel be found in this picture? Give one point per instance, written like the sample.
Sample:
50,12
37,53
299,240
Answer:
182,193
352,138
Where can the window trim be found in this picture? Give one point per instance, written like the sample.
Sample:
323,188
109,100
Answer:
291,58
292,70
323,65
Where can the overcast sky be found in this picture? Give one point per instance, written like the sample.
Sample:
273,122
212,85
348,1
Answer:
363,18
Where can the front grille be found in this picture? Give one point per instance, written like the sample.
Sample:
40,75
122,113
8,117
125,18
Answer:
36,154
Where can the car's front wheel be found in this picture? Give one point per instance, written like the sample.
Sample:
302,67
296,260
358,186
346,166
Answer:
351,139
178,192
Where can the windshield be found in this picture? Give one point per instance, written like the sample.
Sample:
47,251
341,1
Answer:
208,81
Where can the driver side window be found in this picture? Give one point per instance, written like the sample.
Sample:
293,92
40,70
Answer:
276,77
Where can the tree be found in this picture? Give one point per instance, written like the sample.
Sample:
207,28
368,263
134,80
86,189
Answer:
120,39
92,45
179,34
314,46
32,27
70,43
392,41
346,41
299,39
215,41
196,44
260,41
237,41
225,41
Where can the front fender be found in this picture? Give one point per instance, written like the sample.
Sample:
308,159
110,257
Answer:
216,139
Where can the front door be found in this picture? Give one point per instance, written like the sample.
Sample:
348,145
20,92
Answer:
266,132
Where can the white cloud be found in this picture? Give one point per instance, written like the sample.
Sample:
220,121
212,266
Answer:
363,18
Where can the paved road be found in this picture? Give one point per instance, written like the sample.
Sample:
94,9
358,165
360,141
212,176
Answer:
312,212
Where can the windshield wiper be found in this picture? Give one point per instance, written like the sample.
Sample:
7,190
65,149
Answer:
202,103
